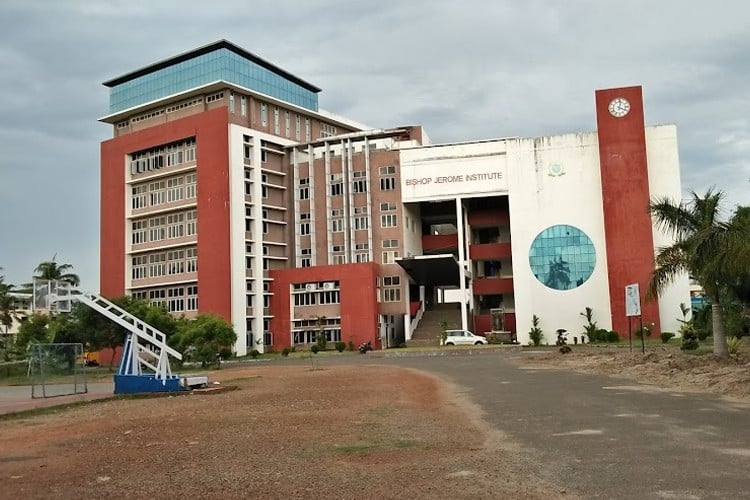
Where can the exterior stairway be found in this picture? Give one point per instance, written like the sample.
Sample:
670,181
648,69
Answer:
428,331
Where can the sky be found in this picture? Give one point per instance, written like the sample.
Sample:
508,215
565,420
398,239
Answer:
464,69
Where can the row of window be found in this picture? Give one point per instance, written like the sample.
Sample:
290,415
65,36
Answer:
311,336
173,299
151,194
162,227
164,263
169,155
360,223
323,297
277,121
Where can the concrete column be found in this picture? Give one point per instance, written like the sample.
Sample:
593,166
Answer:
461,261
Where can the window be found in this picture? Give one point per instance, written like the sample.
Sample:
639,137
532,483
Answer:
176,262
139,196
389,220
287,123
139,232
264,114
176,227
359,185
191,264
387,183
176,301
337,225
192,297
304,228
297,127
174,189
337,184
191,228
306,262
390,243
231,102
191,186
243,105
361,257
361,223
139,267
387,207
308,131
158,266
276,121
304,189
327,130
388,170
157,194
390,257
562,257
157,229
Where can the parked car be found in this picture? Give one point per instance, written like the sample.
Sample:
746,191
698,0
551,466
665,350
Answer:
463,337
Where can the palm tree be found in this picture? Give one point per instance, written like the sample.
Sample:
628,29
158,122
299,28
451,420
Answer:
50,270
703,247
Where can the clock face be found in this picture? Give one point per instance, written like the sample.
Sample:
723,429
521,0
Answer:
619,107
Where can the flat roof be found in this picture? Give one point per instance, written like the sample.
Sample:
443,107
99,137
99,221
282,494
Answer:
212,47
441,270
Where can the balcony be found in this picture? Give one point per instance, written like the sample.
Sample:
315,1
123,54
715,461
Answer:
492,286
440,243
490,251
488,218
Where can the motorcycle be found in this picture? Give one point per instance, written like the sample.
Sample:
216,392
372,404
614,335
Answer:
364,347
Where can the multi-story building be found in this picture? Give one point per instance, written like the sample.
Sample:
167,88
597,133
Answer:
225,189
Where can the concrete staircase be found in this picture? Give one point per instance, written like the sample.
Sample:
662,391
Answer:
428,331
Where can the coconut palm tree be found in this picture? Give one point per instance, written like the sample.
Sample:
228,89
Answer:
703,247
51,270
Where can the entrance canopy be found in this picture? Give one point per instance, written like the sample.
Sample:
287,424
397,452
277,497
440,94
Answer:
441,270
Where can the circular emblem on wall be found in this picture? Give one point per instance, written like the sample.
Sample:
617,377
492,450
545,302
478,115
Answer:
562,257
555,169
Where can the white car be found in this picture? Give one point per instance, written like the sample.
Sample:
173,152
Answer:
463,337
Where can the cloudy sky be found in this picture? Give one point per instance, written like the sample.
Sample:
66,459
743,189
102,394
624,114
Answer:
465,69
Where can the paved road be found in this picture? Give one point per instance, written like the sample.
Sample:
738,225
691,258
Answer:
603,437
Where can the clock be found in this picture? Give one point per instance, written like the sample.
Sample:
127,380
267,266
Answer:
619,107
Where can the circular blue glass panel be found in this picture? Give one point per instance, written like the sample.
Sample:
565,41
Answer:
562,257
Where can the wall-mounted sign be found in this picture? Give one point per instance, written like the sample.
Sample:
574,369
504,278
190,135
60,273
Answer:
435,177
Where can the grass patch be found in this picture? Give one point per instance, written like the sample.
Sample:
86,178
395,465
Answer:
406,443
354,449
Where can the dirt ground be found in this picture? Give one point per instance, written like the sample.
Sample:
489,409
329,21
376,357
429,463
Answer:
662,365
286,432
361,431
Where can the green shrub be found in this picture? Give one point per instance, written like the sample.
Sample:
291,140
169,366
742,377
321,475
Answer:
666,337
340,346
689,340
644,330
733,343
321,341
590,328
254,353
350,346
535,334
613,337
225,352
285,352
599,335
314,348
443,331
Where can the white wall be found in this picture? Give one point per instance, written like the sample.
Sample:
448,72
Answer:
538,199
664,181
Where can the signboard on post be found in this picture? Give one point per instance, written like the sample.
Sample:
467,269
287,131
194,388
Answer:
632,300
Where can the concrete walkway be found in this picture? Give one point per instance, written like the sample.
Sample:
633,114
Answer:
17,398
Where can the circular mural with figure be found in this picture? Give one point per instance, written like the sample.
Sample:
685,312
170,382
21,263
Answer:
562,257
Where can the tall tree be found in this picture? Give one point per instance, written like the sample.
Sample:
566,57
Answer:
702,248
7,304
51,270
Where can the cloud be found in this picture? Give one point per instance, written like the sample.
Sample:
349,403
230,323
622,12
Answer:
465,70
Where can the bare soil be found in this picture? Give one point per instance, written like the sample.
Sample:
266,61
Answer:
286,432
664,366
